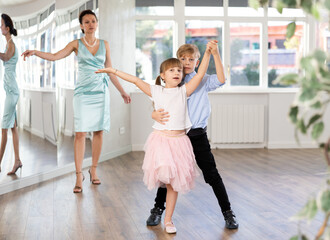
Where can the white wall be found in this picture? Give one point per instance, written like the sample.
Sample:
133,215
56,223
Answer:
279,132
117,26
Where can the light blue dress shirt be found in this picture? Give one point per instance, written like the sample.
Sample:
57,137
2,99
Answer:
199,107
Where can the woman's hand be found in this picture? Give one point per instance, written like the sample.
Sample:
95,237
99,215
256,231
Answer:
126,97
28,53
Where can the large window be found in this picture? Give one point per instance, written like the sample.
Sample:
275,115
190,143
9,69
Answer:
252,43
37,33
154,43
244,54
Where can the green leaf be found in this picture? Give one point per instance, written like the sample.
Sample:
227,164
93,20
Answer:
303,237
327,4
313,120
306,63
301,126
317,130
307,94
317,105
320,56
308,211
279,6
290,30
307,5
323,200
287,79
293,113
254,4
290,3
315,12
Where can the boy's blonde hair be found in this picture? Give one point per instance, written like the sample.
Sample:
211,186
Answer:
169,63
188,49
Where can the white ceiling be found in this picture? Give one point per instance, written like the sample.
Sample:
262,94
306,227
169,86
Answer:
4,3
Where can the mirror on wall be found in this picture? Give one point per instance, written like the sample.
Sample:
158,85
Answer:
36,109
44,109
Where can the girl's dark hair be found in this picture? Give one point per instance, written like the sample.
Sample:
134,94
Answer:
171,62
83,13
9,23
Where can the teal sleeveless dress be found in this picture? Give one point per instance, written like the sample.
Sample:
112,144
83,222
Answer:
91,101
12,92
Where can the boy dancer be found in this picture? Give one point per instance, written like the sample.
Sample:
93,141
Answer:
199,112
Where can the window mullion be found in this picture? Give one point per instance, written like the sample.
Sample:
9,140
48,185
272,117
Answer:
264,52
226,42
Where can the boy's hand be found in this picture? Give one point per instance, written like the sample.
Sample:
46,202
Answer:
106,70
213,45
160,116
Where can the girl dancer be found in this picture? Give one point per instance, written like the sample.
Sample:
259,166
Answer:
169,157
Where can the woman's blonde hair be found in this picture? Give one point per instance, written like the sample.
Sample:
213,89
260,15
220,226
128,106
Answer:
169,63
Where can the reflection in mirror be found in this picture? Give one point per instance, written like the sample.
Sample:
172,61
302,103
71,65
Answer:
36,106
68,29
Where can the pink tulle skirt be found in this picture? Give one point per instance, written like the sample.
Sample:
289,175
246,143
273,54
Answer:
169,159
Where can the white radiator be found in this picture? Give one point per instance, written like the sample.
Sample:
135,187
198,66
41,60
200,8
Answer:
238,123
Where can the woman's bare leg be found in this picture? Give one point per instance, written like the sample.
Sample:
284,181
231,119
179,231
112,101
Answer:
96,152
79,152
18,162
3,144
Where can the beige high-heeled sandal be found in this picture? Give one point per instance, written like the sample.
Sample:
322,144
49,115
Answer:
15,168
170,228
78,189
95,181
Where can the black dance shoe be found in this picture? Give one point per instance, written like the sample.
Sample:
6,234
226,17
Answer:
155,216
230,219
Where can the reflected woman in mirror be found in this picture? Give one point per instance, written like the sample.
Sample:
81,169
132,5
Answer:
9,120
91,99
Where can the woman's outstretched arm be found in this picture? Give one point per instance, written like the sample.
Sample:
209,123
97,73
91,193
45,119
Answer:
71,47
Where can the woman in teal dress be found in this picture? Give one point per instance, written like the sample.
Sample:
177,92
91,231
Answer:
91,95
9,120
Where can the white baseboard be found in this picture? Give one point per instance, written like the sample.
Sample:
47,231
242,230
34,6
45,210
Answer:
279,145
237,145
34,131
68,132
41,177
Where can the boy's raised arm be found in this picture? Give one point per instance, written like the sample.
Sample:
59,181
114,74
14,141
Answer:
195,81
218,62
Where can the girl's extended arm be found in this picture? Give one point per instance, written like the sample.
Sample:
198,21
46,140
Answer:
145,87
71,47
195,81
9,53
113,78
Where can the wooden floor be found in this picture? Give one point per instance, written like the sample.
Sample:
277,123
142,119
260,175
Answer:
265,187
